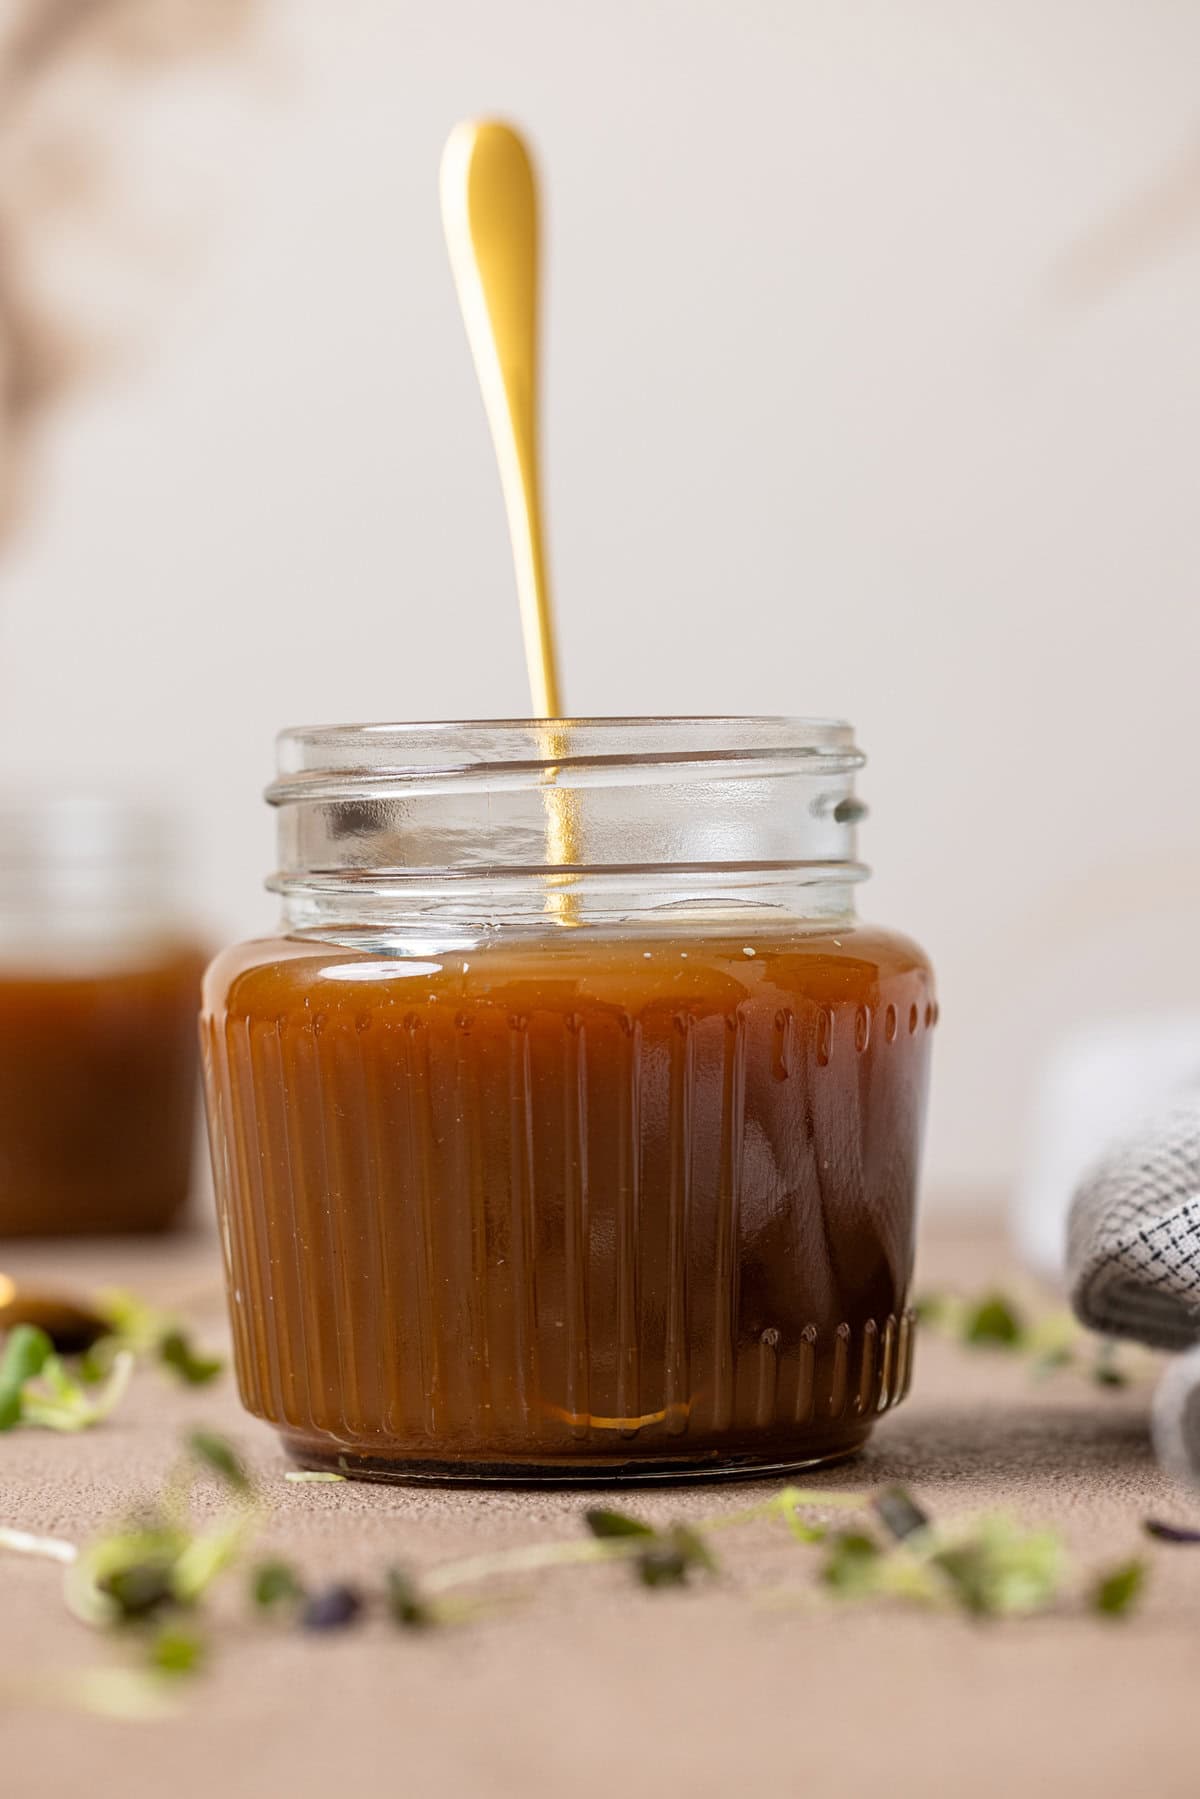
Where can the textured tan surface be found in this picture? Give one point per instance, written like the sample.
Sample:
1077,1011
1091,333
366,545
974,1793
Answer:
590,1686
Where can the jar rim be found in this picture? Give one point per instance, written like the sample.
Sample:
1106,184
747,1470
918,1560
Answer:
314,760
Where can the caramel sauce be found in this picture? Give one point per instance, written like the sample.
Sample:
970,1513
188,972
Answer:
98,1092
570,1208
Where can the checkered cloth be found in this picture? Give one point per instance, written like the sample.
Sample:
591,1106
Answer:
1133,1261
1133,1242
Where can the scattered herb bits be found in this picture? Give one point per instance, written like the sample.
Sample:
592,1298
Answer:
36,1387
1106,1371
1164,1532
1117,1592
852,1564
335,1607
26,1352
149,1579
665,1558
406,1607
999,1569
221,1458
140,1589
609,1524
899,1513
275,1585
994,1322
195,1370
176,1651
1051,1341
153,1336
52,1386
672,1555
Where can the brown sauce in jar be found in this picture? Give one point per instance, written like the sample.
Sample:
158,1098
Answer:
98,1090
574,1207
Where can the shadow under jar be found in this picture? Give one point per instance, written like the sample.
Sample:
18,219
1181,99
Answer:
571,1129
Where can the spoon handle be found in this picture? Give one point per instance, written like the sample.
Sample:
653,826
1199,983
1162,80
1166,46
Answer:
490,216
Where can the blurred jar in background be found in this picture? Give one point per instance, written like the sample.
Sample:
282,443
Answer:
99,982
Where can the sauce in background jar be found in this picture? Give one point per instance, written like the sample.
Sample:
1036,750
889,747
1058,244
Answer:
529,1172
99,982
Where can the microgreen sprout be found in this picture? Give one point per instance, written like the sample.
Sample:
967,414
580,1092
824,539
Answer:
406,1605
661,1558
1049,1341
149,1578
36,1387
176,1650
162,1564
220,1458
274,1585
609,1525
1117,1591
150,1335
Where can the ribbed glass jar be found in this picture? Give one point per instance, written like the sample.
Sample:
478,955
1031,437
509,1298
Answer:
570,1128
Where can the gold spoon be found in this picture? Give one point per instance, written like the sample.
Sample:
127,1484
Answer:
490,216
71,1325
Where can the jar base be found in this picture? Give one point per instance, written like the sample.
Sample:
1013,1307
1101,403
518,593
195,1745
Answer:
708,1466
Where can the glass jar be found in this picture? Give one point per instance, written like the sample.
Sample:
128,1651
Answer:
99,982
570,1128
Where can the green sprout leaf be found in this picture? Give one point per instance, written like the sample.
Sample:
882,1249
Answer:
26,1352
672,1556
221,1458
605,1523
274,1584
151,1335
1052,1339
175,1352
125,1576
934,1309
140,1588
994,1322
206,1555
1106,1370
138,1325
853,1564
176,1651
998,1568
1116,1593
406,1607
55,1400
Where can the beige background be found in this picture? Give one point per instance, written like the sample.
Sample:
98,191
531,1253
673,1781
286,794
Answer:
834,423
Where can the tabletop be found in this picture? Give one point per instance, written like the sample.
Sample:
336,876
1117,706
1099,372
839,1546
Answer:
577,1679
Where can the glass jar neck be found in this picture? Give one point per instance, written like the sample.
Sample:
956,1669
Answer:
451,832
83,875
420,914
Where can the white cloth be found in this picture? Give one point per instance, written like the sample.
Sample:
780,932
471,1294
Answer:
1176,1418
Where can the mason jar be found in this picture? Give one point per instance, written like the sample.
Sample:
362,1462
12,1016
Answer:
99,982
570,1127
